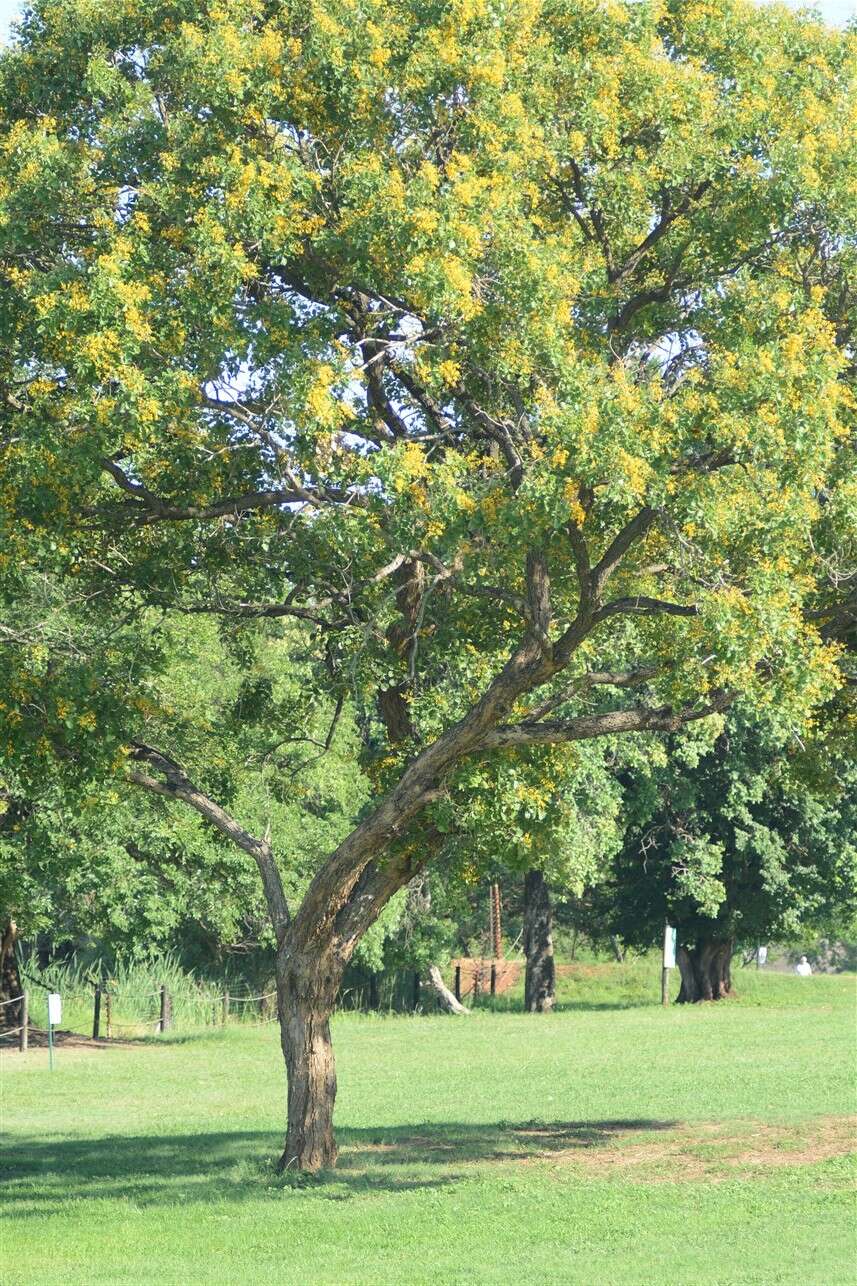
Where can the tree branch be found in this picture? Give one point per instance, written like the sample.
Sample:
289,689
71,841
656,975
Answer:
152,508
618,548
625,679
640,605
176,785
641,719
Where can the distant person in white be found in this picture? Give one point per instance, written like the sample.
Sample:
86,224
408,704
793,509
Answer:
762,955
803,967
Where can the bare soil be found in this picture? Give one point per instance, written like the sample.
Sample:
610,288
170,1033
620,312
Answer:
641,1151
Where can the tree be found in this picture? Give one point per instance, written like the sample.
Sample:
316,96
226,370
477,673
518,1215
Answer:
115,874
471,338
540,976
734,844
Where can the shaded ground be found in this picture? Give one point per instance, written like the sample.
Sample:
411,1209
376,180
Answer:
643,1151
38,1039
636,1151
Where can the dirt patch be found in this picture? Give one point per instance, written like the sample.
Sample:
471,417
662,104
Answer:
712,1150
644,1151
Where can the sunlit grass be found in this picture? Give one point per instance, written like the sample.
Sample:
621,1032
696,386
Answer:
601,1144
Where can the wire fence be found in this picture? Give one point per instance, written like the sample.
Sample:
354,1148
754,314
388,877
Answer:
119,1012
128,1007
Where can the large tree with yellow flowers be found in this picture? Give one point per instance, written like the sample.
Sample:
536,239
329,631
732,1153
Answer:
493,341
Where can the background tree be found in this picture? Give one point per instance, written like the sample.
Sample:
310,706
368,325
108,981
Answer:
734,844
474,340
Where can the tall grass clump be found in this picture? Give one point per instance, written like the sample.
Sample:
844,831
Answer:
134,990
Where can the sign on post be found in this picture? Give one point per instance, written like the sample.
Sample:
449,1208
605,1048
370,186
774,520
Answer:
54,1019
668,962
669,947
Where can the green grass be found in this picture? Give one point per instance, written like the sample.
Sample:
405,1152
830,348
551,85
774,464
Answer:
612,1142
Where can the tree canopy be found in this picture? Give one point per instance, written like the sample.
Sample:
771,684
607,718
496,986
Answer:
740,842
504,346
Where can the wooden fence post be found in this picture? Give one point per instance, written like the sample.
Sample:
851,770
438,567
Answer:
493,978
24,1033
496,931
225,1008
166,1020
108,1013
96,1013
458,983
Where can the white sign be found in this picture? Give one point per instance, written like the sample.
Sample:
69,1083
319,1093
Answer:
54,1008
669,947
762,955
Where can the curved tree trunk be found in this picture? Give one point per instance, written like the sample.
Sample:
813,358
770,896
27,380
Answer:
539,982
445,997
11,1015
705,970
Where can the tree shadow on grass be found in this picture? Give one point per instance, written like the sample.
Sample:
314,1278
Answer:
147,1170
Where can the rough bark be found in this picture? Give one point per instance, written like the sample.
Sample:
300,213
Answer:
705,970
445,997
306,991
11,1015
310,965
539,982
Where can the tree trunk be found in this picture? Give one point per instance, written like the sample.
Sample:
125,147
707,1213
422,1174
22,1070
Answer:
539,993
11,1015
306,992
705,970
444,996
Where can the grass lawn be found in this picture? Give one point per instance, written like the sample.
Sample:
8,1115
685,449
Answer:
611,1142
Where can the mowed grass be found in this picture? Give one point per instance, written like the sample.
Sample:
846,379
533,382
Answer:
611,1142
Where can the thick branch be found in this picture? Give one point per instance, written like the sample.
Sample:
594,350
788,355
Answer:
176,785
607,678
618,548
538,598
640,605
387,418
663,719
670,213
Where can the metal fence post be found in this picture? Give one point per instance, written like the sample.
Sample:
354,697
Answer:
96,1013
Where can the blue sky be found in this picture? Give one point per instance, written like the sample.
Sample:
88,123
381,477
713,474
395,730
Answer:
834,10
